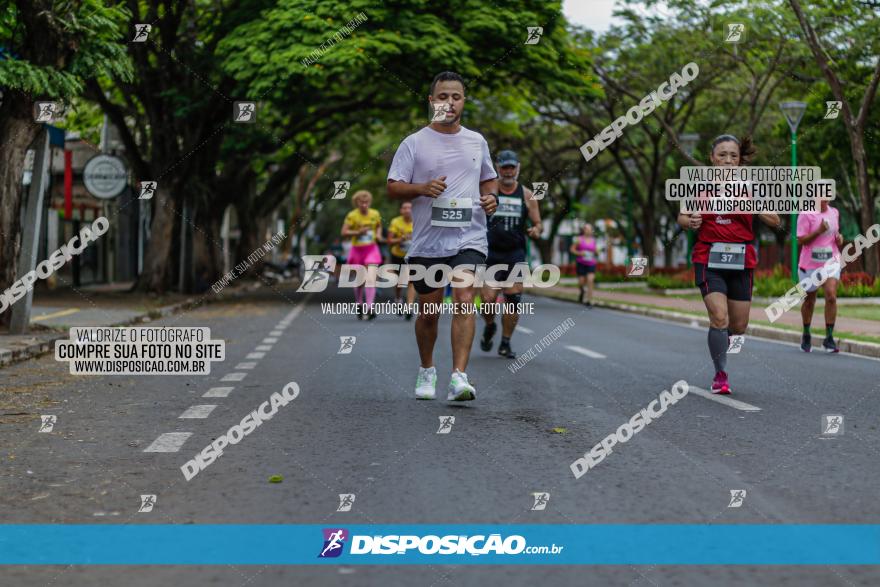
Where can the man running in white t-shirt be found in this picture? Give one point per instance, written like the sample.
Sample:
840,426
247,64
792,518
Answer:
446,171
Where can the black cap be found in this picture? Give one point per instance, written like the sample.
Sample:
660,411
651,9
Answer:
507,157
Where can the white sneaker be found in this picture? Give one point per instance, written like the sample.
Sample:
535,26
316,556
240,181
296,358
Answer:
426,383
459,388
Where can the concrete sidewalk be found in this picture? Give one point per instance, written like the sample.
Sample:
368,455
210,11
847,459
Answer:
55,312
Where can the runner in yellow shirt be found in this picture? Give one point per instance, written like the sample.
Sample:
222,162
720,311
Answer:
364,225
400,237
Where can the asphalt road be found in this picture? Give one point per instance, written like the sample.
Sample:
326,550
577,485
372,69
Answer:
356,428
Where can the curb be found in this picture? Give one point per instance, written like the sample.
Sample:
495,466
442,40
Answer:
866,349
42,347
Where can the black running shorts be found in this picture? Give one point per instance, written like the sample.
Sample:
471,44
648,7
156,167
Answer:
465,257
736,284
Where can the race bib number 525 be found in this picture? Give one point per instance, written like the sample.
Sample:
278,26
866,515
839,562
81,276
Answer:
452,212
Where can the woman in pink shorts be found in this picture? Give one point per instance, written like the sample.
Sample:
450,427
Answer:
363,226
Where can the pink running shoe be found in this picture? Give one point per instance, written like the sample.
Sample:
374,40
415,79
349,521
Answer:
720,385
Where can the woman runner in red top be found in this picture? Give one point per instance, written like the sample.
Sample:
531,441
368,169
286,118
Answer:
724,260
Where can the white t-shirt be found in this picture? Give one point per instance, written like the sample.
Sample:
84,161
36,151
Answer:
464,159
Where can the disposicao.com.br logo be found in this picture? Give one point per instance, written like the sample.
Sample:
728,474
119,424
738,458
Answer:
334,542
317,270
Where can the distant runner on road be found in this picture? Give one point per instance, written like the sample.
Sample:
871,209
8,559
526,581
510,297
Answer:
364,226
399,238
819,235
724,260
507,246
446,171
585,250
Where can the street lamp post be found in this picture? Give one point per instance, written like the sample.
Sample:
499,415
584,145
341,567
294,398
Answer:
688,142
631,167
793,112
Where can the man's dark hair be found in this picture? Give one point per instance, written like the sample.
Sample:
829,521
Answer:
446,76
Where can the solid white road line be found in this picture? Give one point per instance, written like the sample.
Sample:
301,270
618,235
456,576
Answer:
168,442
524,330
234,377
723,399
584,351
218,392
270,340
246,365
264,347
255,355
197,412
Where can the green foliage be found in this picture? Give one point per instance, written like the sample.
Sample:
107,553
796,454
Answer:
657,281
75,40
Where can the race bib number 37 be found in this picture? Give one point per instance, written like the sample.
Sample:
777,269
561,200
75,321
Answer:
727,256
452,212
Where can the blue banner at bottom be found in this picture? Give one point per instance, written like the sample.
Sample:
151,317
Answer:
222,544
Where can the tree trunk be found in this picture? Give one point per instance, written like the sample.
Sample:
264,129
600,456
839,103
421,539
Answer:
160,258
207,248
545,248
21,132
867,202
253,231
648,229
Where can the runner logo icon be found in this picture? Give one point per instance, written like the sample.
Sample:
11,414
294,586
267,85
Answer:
535,33
346,500
141,32
148,188
638,266
147,503
735,32
340,189
316,273
47,423
539,189
736,498
446,423
346,345
334,541
832,425
541,499
736,343
833,109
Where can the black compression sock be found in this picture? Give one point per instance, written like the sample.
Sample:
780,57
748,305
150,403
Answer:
718,343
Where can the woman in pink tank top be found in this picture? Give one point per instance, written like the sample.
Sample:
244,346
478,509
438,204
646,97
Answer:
584,249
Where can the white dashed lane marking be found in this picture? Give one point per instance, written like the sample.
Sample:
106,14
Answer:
218,392
270,340
197,412
276,333
264,348
585,351
246,365
524,330
255,356
168,442
234,377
